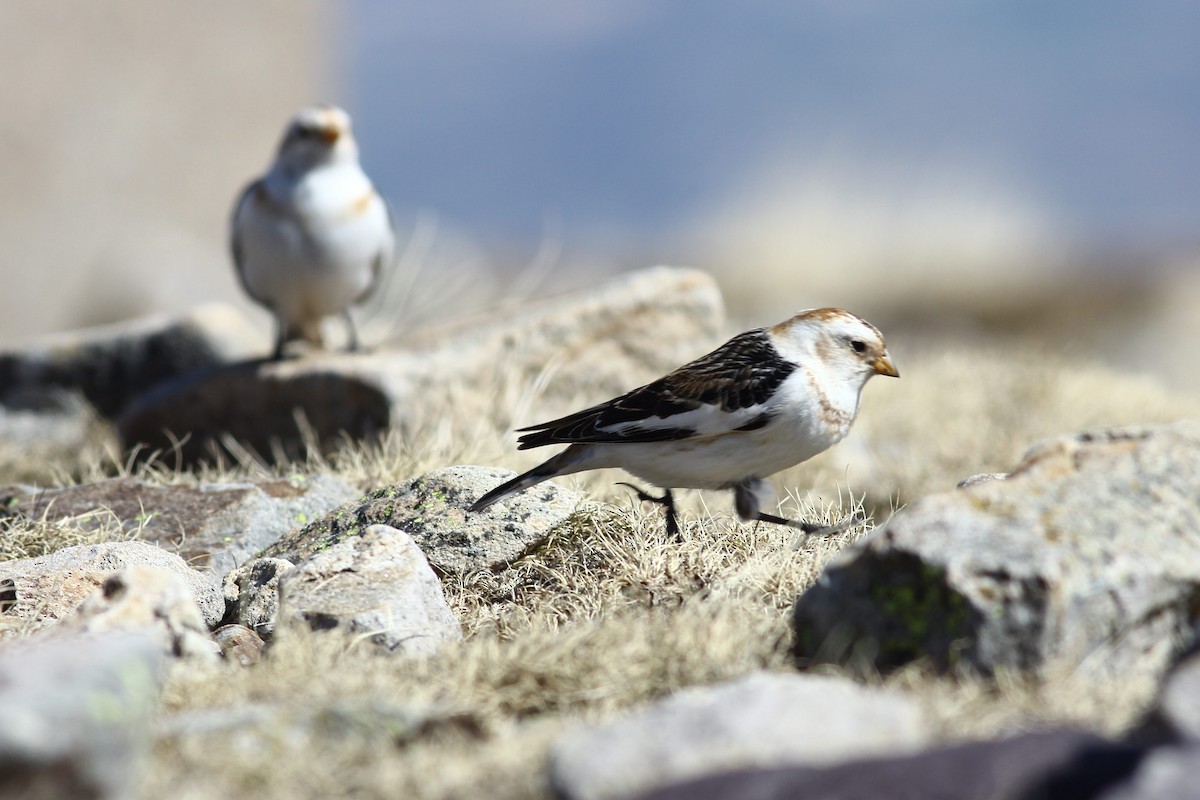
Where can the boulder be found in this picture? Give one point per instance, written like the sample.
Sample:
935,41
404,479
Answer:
44,590
432,509
377,586
77,713
613,337
213,526
761,720
1085,557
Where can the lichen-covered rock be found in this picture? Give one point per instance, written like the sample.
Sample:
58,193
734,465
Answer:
610,338
376,585
432,509
213,526
1086,556
44,590
761,720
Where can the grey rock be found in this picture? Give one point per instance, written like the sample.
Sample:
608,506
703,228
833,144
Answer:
1086,557
432,509
762,720
43,590
252,593
152,599
378,586
1054,764
213,526
76,714
239,643
611,337
1167,773
112,364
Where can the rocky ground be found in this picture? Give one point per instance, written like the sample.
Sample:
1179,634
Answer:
223,577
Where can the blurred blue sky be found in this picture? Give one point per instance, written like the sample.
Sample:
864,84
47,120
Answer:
631,120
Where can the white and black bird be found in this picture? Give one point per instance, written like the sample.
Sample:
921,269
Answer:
764,401
312,236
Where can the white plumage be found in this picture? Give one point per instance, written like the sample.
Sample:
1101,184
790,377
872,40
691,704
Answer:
764,401
312,236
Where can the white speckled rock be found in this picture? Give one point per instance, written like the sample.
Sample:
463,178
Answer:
152,599
43,590
376,585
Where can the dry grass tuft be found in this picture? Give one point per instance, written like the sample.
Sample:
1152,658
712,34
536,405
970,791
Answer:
26,538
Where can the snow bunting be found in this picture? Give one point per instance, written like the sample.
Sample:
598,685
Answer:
311,237
765,400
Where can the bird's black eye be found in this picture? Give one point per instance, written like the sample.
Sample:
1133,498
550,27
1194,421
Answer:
858,345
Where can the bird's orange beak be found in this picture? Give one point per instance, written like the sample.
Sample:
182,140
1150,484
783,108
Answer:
329,134
884,366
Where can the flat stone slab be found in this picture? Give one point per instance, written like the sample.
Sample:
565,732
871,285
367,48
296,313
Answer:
1055,764
214,527
762,720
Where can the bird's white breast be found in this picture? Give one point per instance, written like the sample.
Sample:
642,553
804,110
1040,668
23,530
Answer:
310,245
807,418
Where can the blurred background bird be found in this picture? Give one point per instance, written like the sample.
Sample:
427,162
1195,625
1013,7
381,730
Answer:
312,236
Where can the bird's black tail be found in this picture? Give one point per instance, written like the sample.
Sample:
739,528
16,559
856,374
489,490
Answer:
564,463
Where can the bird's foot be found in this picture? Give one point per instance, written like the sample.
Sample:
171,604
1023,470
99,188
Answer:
812,528
667,501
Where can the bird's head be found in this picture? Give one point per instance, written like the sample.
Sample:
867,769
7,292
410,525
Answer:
315,136
847,346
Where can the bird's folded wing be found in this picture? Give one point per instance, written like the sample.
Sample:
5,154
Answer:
728,390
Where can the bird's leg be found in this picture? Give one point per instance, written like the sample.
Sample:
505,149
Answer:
667,501
281,335
352,347
746,501
811,527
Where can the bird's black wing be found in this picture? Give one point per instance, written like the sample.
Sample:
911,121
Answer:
717,393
